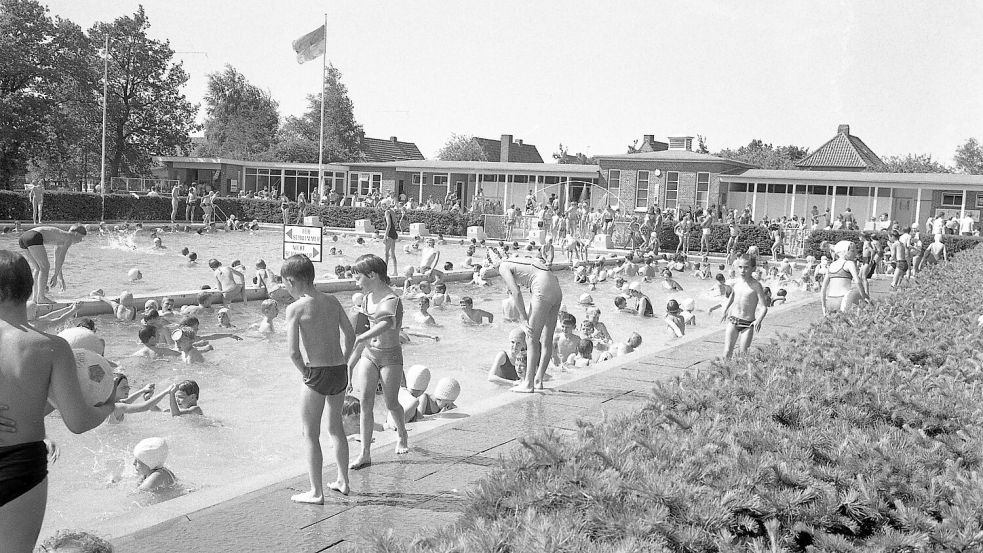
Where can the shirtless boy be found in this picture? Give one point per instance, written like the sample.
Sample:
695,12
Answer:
32,364
315,323
741,311
228,281
567,342
34,244
472,316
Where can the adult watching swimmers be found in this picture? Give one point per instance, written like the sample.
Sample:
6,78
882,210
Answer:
539,320
32,364
34,244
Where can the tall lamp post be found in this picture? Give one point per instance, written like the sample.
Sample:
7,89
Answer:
105,94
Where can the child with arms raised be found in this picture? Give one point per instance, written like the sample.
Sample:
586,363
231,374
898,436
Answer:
315,323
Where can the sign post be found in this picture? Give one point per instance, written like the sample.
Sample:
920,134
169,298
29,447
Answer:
308,241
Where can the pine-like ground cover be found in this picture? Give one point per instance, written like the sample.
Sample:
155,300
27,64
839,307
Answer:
862,433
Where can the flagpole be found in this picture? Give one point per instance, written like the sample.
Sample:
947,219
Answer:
320,149
105,89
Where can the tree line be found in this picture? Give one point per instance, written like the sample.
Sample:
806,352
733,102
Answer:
51,104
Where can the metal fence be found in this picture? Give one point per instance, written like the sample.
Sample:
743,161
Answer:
126,184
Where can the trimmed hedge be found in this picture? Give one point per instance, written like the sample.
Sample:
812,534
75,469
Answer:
748,235
953,243
80,206
863,433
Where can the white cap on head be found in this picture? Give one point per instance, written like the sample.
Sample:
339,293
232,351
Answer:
447,389
635,286
417,377
151,452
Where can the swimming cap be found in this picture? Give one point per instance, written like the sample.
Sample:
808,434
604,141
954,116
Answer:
447,389
517,334
586,299
635,286
134,274
151,304
151,452
224,311
688,304
417,377
842,247
83,338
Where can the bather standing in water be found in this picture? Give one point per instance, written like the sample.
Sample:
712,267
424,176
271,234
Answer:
33,245
539,319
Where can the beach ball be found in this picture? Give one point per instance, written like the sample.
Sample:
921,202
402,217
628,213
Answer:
95,376
82,338
134,274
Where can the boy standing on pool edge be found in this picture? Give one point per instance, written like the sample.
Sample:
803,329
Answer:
743,320
314,325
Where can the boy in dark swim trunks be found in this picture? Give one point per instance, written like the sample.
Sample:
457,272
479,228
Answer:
741,310
32,365
315,322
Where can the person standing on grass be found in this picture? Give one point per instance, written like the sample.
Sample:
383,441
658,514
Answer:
741,311
33,367
315,323
390,237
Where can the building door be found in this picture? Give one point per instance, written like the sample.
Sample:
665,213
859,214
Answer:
903,207
459,192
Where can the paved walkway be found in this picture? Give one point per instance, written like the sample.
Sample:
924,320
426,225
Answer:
425,488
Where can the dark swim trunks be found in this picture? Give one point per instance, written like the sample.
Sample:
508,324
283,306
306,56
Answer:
31,238
22,467
327,381
903,265
741,324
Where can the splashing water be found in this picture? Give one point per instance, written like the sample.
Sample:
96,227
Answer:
122,241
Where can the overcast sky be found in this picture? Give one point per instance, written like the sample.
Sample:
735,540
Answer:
907,77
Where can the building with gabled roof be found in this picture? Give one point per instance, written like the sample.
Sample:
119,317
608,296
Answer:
508,150
843,152
378,150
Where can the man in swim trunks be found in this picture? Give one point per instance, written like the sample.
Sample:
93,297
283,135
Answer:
899,255
37,201
315,322
33,243
741,311
32,365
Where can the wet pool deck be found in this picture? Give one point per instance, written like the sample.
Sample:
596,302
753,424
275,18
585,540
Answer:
426,487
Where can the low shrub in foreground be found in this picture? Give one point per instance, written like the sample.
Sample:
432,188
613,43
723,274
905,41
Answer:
862,433
80,206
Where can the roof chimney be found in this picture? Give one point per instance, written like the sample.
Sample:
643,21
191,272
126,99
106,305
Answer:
506,146
843,129
648,138
393,139
519,142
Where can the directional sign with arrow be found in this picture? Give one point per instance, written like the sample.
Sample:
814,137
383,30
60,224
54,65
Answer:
299,239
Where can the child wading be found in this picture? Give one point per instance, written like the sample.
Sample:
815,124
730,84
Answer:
315,322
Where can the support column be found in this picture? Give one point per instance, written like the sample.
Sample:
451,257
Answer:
791,209
962,209
832,207
873,209
918,207
754,203
283,181
505,194
421,188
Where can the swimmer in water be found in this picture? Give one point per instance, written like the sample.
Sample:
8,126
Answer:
509,366
33,244
674,319
423,316
184,338
567,342
539,319
224,317
229,282
440,297
122,307
150,344
270,309
472,316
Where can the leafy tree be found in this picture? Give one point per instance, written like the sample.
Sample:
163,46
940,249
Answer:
26,65
70,147
563,156
701,145
912,163
461,147
298,138
243,119
147,113
969,157
766,156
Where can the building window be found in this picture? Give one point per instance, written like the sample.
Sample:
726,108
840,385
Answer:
642,191
703,190
363,184
979,199
672,189
614,186
441,180
952,200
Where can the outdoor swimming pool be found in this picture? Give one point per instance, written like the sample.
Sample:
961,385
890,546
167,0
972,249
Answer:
250,434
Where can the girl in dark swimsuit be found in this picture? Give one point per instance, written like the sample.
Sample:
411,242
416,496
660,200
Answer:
390,239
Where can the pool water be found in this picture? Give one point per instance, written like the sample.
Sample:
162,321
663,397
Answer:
250,390
103,261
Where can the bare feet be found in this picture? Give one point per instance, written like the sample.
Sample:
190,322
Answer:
522,389
308,498
339,487
402,446
361,462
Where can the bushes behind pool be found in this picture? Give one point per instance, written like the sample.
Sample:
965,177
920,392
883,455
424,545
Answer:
80,206
861,433
953,243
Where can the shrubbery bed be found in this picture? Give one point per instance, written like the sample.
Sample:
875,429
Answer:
79,206
953,243
862,433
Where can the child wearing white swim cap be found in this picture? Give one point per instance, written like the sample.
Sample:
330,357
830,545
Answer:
148,459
